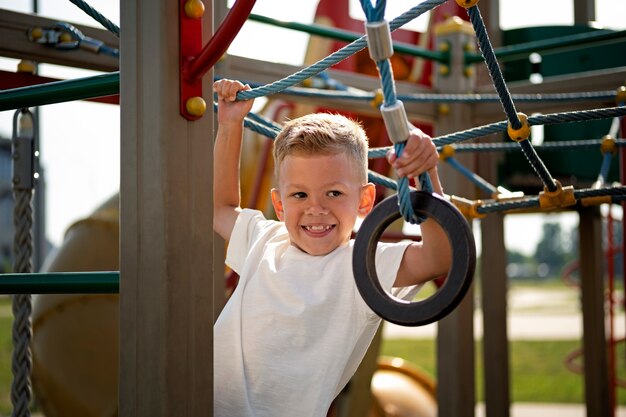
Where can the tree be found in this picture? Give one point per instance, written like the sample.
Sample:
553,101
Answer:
554,249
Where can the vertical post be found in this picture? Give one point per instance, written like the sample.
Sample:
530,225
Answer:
592,287
455,335
494,307
166,265
584,12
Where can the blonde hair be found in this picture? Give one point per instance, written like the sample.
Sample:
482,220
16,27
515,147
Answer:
322,134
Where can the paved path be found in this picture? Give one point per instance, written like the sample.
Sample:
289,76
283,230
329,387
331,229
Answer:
552,314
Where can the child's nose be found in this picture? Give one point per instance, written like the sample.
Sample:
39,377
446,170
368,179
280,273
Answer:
316,208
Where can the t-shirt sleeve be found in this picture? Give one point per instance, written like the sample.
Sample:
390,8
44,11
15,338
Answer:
248,226
388,259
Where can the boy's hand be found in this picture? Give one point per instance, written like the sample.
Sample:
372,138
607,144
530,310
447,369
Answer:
229,110
419,155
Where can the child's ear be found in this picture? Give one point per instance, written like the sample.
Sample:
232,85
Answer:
277,202
368,196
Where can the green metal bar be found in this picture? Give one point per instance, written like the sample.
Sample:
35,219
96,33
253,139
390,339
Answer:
60,91
550,45
107,282
348,36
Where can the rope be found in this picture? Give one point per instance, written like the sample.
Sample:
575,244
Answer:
23,149
22,334
546,146
335,90
335,57
545,119
492,65
108,25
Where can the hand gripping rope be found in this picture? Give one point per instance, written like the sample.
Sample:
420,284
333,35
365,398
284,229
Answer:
413,206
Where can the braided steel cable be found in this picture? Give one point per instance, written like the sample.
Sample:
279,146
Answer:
537,164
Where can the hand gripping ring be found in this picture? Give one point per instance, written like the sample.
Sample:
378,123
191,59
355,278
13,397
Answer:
459,276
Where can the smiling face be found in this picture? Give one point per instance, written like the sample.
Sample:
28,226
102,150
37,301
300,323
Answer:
319,198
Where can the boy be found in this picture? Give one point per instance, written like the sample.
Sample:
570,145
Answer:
295,329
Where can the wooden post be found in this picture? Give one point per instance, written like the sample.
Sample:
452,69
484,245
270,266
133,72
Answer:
166,305
455,334
494,307
595,361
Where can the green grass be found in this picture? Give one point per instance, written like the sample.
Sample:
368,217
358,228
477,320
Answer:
537,373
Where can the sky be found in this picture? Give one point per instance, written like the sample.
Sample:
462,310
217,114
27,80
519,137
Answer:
80,141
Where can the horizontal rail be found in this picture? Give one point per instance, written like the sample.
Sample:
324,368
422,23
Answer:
551,45
348,36
107,282
60,91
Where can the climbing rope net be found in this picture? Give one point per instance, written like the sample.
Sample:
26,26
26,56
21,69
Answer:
516,124
378,40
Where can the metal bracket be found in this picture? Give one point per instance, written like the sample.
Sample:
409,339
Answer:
23,150
190,45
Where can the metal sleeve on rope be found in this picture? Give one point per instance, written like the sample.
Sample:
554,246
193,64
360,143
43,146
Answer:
396,122
379,40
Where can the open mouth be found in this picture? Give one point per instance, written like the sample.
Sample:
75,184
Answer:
321,228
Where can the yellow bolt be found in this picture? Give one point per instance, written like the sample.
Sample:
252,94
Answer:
36,33
443,109
307,83
196,106
65,37
468,72
523,132
194,9
608,145
26,66
378,99
620,95
469,47
446,152
444,47
466,3
444,70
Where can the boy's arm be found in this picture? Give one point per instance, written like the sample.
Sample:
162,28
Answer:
431,257
226,155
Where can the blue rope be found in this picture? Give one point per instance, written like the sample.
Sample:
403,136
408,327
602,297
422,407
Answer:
337,56
605,167
473,177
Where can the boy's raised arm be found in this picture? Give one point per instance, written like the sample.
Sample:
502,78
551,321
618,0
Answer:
226,156
433,256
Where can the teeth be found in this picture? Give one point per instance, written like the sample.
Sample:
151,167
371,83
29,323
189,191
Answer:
317,228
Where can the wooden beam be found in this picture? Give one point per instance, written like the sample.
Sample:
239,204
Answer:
166,265
14,28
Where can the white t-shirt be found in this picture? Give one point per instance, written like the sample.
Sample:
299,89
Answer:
296,328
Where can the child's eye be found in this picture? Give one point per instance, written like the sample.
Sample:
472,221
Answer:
299,195
334,193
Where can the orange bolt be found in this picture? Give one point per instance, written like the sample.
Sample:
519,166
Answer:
194,9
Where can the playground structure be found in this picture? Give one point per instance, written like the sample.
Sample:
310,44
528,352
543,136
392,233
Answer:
456,373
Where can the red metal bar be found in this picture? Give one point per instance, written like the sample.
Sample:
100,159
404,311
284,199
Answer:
190,43
221,40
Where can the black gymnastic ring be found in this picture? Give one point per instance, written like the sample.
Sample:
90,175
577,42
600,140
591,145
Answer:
459,276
